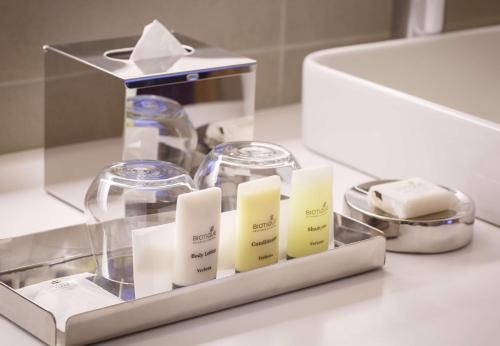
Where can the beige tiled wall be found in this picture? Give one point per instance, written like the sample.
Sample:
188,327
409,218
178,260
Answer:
464,14
278,33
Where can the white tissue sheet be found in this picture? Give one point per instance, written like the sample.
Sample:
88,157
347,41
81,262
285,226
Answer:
156,42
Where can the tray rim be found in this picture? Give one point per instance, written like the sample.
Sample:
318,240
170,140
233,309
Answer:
65,337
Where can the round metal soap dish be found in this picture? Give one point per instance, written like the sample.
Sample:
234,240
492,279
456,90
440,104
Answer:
433,233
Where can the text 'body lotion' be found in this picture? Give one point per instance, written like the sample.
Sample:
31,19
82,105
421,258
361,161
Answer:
197,228
311,211
258,208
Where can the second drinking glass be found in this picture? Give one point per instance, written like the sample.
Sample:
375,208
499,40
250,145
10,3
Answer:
232,163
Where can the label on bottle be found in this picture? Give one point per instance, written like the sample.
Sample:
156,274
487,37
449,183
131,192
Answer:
310,212
257,242
202,256
323,210
261,245
269,225
267,244
197,236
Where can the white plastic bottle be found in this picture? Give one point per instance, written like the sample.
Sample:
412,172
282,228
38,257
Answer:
197,229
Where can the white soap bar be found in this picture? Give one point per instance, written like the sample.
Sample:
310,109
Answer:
410,198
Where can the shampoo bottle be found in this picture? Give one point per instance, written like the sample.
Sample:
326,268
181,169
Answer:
197,229
258,214
311,211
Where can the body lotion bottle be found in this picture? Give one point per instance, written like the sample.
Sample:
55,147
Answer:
311,211
197,227
258,209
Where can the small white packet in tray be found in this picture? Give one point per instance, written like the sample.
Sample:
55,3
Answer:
68,296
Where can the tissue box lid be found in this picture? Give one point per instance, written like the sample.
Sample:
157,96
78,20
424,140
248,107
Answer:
111,56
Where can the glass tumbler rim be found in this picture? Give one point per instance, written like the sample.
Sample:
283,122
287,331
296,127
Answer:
255,154
145,174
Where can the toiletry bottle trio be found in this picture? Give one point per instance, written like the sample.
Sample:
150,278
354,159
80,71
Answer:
258,224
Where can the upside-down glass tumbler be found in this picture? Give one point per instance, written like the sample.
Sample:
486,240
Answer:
126,197
159,128
232,163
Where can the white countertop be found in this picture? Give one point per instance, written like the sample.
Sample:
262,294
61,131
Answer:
444,299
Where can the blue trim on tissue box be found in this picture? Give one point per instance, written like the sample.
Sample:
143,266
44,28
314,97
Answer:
187,76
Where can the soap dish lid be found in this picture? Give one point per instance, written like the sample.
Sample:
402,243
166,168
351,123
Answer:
433,233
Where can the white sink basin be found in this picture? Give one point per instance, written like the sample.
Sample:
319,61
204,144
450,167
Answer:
425,107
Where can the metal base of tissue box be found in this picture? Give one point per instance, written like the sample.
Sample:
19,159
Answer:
63,252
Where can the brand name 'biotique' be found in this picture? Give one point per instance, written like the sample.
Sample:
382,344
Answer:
211,234
318,211
264,226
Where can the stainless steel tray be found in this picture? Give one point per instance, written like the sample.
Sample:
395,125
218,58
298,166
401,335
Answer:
43,256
